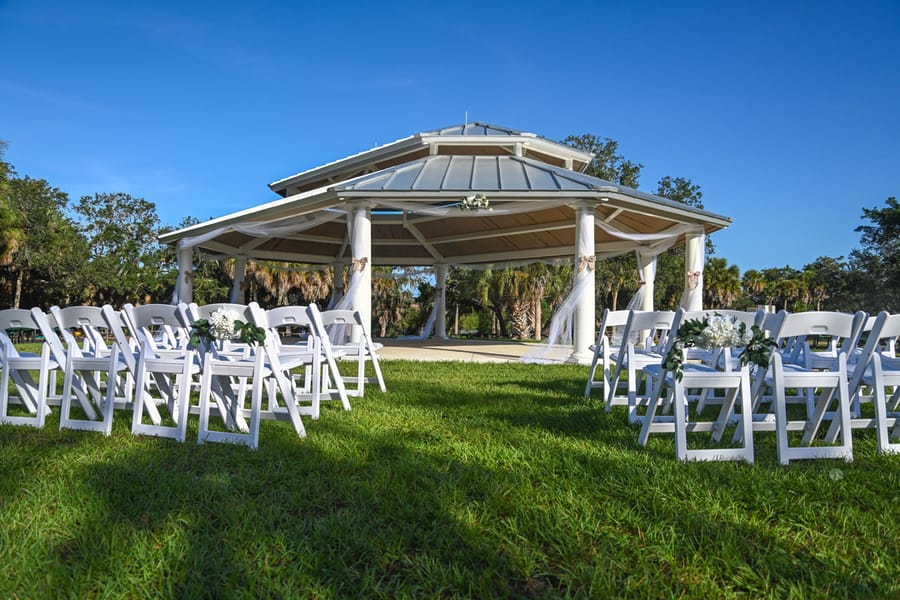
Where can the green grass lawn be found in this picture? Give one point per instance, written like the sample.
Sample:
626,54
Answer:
464,480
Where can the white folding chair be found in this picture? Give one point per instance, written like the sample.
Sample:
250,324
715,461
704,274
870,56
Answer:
733,378
233,373
704,371
339,326
17,368
282,361
86,365
716,357
330,357
58,352
226,393
825,382
171,371
652,328
606,349
166,334
128,347
315,355
877,369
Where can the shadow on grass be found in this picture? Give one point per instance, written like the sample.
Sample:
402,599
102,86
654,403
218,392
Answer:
477,483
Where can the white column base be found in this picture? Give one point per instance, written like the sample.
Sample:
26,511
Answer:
580,358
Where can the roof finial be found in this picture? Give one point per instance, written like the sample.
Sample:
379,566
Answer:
466,125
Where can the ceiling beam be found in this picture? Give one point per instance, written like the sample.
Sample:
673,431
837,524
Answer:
393,242
418,235
515,255
481,235
614,214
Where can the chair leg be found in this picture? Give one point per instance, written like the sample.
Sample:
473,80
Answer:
817,415
592,373
650,416
377,367
680,421
781,433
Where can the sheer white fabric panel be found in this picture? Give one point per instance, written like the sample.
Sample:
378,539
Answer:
695,259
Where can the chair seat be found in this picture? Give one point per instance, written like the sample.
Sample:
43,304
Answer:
354,348
690,370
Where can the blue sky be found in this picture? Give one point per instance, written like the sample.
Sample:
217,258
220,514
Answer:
787,114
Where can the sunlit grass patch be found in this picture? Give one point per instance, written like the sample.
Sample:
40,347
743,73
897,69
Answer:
464,480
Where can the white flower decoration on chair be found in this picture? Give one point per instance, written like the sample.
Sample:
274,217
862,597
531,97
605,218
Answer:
718,331
724,332
221,324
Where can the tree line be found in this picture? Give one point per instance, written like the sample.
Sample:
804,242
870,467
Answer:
104,249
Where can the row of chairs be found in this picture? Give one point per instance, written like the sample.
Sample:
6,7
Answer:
827,367
140,359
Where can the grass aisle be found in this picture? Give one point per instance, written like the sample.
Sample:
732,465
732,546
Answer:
464,480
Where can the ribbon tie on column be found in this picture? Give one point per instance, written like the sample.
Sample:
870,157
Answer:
358,264
693,279
587,262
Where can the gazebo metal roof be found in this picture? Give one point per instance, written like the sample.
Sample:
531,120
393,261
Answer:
467,139
416,218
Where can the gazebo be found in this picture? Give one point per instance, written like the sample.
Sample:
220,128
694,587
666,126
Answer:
467,195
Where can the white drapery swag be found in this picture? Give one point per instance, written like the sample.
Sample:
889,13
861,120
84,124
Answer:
558,346
298,224
261,229
338,332
693,290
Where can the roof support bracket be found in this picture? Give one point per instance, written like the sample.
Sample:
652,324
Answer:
422,240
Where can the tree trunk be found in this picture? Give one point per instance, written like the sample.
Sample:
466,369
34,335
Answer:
519,320
615,299
537,317
502,331
456,321
17,299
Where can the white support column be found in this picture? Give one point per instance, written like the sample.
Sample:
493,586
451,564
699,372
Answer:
694,251
440,322
337,284
237,285
647,266
361,249
585,311
185,284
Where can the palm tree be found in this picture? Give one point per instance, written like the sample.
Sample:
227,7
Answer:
722,283
281,281
391,300
11,232
787,290
754,285
516,294
614,274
